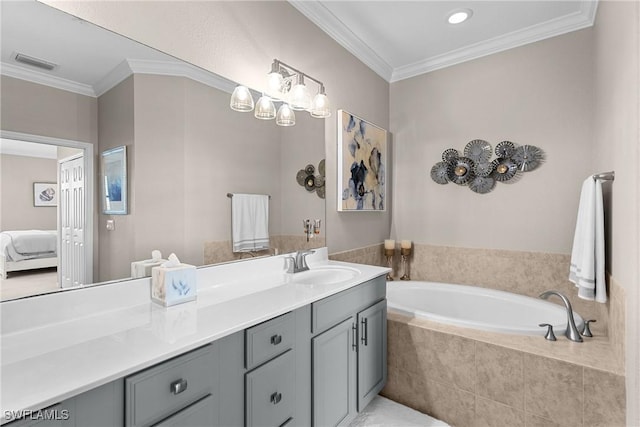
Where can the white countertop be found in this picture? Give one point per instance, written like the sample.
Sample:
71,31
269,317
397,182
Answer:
46,362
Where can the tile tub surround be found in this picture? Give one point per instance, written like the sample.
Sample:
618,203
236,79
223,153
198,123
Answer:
476,378
216,252
525,273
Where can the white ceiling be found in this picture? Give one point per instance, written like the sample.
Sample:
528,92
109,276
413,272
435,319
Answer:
396,39
402,39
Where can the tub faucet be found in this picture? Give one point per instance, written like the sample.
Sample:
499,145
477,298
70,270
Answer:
299,262
572,332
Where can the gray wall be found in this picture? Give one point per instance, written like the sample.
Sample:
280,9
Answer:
538,94
18,173
616,136
239,40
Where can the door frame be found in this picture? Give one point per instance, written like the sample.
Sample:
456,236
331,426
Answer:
89,203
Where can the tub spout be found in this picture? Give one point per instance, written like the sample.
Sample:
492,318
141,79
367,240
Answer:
572,332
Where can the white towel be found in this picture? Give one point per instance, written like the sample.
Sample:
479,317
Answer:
250,222
587,256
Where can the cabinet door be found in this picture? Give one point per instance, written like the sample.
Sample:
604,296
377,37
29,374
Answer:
372,352
334,375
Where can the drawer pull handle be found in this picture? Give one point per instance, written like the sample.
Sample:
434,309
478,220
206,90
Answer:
276,339
178,386
276,398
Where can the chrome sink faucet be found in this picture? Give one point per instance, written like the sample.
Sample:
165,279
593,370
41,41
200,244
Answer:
572,332
299,262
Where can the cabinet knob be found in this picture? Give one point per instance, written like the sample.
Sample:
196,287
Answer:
276,398
276,339
178,386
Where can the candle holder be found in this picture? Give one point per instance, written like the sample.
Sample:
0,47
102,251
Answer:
405,253
389,254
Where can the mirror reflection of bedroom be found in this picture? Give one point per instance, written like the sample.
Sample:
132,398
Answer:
37,220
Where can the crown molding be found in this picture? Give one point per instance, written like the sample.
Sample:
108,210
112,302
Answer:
327,22
554,27
120,73
45,79
330,24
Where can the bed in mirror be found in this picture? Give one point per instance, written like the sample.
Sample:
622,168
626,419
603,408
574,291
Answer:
185,151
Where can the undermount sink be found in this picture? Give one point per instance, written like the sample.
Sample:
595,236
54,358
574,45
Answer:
325,275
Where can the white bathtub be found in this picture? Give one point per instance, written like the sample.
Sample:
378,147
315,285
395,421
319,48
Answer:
477,308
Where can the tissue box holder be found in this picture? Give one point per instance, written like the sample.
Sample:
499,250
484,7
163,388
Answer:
173,285
143,268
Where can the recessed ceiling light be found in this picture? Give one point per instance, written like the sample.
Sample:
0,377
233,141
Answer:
458,16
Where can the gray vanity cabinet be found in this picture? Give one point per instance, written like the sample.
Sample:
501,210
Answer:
334,375
101,407
349,359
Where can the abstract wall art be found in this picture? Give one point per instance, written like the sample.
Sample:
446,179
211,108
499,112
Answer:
362,165
114,181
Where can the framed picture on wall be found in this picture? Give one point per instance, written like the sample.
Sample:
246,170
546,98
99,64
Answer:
362,165
114,181
45,194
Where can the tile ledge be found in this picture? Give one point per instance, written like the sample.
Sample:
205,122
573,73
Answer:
597,353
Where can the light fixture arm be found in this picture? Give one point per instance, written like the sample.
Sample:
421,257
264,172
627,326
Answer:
279,66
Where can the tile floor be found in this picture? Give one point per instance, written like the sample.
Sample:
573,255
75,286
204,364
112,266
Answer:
382,412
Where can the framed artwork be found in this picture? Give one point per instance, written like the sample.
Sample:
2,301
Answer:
114,181
45,194
362,165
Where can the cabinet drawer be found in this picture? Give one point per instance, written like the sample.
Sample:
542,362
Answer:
334,309
268,339
270,392
162,390
202,413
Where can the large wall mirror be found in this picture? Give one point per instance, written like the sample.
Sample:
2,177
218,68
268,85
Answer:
185,151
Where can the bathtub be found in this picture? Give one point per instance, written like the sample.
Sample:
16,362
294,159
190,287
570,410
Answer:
477,308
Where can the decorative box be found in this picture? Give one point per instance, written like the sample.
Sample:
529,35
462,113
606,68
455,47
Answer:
173,285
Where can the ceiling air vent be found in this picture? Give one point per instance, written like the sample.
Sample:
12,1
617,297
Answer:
35,62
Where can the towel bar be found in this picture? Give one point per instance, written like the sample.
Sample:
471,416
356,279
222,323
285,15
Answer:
230,195
606,176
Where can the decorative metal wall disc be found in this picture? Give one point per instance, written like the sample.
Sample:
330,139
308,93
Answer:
504,169
482,184
300,176
319,181
439,173
483,168
460,171
310,169
321,168
310,183
320,192
505,149
528,157
478,150
449,155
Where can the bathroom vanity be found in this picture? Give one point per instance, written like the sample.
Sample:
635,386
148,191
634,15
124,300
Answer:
258,348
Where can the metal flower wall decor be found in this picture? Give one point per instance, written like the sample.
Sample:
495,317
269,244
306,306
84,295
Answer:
476,168
306,177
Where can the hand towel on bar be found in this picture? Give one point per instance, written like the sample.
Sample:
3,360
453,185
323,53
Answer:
587,255
250,222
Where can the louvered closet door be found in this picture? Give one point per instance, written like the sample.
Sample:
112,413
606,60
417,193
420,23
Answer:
72,222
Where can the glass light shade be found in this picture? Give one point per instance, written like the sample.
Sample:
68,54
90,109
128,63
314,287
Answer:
274,84
265,110
320,106
299,97
241,99
285,116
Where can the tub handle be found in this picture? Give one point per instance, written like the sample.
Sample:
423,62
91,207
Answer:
549,335
586,331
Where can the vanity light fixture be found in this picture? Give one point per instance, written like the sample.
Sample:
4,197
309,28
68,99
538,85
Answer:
458,16
285,85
